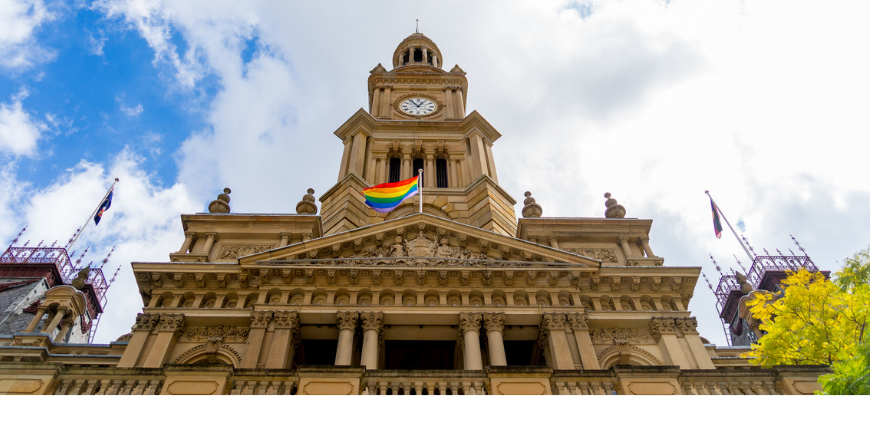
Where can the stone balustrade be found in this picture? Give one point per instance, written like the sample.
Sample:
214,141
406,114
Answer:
84,381
424,382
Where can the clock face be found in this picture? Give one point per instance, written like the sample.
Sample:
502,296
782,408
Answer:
418,106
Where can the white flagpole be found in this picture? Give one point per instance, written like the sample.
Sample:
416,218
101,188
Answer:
94,213
420,187
751,257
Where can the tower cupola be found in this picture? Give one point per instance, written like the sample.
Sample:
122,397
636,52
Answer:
417,49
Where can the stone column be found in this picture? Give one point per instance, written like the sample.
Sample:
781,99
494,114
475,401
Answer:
448,108
342,171
188,242
664,331
430,177
644,242
580,324
425,54
209,241
259,322
688,327
285,239
40,312
141,330
168,329
372,324
478,155
65,325
386,102
376,103
62,311
283,339
346,327
469,326
554,324
623,242
406,167
457,101
494,323
358,153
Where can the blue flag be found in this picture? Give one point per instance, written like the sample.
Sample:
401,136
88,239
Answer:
107,203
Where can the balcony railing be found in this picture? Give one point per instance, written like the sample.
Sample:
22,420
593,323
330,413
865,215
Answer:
424,382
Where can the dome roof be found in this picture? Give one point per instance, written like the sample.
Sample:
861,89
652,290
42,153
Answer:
411,50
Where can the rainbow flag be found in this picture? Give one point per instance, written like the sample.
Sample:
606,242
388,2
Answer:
386,197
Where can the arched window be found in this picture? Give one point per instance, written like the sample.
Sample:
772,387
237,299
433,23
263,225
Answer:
395,169
441,172
406,57
418,55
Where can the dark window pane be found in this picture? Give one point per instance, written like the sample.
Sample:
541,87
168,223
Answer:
395,169
418,164
441,170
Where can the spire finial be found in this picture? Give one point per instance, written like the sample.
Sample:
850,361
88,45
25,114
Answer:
417,28
14,241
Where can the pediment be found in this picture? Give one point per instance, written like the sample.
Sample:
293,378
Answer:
421,240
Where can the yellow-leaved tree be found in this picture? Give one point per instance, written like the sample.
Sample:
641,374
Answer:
812,321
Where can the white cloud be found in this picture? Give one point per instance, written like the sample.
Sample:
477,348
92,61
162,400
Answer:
97,43
143,223
132,112
19,132
761,103
18,21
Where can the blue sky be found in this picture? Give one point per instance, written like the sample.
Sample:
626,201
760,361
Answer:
762,103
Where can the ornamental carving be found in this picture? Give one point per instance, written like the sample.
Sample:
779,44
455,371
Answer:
659,326
171,322
632,335
553,321
347,320
607,255
236,251
210,349
494,321
469,321
145,322
418,251
260,319
228,334
687,325
578,320
286,319
372,320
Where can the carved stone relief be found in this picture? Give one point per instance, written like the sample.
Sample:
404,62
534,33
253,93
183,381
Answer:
235,251
633,335
228,334
605,255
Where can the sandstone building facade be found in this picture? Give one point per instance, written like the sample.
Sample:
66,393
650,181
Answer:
463,298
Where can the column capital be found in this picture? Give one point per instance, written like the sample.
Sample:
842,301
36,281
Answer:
145,322
578,320
212,236
469,321
687,325
553,321
190,235
63,310
43,308
494,321
286,319
171,322
285,235
372,321
661,325
347,319
622,240
260,319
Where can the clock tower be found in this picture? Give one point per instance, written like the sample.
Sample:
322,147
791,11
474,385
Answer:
416,120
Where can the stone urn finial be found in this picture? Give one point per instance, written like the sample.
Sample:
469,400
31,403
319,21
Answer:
307,206
81,278
614,210
530,208
221,205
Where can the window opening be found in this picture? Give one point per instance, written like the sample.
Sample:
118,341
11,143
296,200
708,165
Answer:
441,172
395,169
418,164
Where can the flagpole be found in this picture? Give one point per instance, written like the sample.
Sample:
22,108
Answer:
94,213
743,245
420,187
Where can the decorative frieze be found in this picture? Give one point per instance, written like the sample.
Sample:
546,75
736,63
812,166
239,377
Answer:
661,325
606,255
235,251
228,334
632,335
171,322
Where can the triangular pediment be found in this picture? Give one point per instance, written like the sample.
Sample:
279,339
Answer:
421,240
